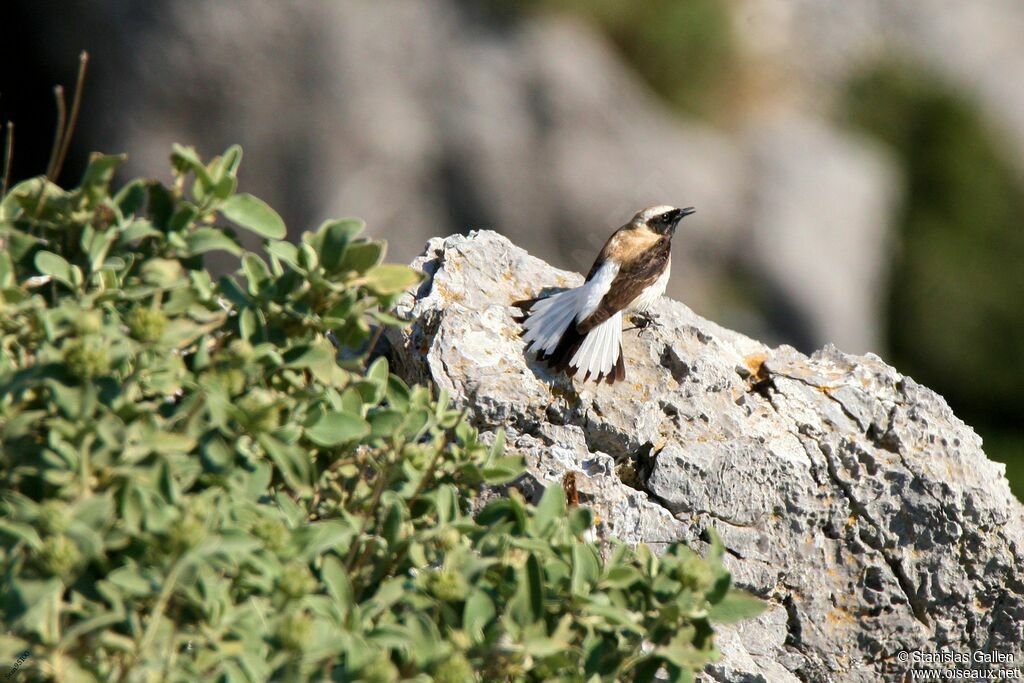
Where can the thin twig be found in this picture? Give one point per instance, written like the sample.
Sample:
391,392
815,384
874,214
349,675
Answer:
367,549
428,476
58,134
76,105
5,173
378,490
373,343
157,613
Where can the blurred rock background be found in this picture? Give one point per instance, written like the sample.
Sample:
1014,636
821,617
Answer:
858,168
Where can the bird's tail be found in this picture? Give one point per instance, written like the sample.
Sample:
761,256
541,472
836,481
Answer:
549,328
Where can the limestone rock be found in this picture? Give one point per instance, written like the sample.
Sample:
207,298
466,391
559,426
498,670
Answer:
847,494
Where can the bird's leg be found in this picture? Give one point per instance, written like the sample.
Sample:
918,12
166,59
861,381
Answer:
642,320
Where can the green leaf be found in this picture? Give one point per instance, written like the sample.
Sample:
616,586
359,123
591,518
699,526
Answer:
351,402
168,442
504,470
256,272
384,423
56,267
336,428
388,319
284,251
209,239
388,593
225,187
477,614
361,256
424,641
34,605
100,172
527,606
621,576
378,372
736,606
161,272
716,552
184,158
446,503
538,643
225,165
99,248
390,278
586,567
415,423
247,323
21,531
97,622
397,393
254,214
94,512
318,357
138,229
6,270
332,240
550,507
616,615
680,651
29,197
336,579
232,292
131,197
130,581
331,535
391,528
293,462
498,447
182,219
580,519
233,543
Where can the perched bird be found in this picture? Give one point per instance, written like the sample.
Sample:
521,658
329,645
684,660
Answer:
581,328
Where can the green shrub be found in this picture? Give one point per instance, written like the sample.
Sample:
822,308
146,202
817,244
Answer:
204,480
954,319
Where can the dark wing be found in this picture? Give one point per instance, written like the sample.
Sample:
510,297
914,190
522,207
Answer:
609,248
636,275
598,262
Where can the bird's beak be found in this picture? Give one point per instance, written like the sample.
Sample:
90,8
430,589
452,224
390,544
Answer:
677,215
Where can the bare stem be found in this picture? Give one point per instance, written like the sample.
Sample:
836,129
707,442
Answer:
5,169
158,610
58,134
383,473
428,476
76,105
373,343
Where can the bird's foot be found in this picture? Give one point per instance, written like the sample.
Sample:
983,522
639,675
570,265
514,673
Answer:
644,321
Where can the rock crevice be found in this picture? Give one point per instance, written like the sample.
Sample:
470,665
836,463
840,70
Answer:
847,494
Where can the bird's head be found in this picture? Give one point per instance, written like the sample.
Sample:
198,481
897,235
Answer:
661,219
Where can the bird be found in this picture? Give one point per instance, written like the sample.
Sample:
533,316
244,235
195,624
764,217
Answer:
580,329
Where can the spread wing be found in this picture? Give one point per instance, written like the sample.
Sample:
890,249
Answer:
635,275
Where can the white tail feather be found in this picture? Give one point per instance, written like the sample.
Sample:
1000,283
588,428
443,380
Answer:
549,318
600,349
610,352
